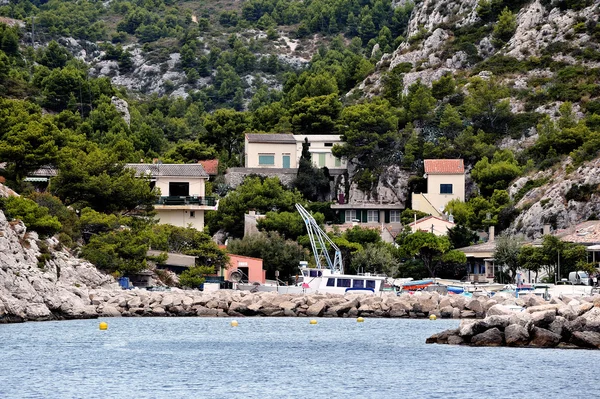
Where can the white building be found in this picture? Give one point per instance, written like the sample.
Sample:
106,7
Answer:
182,201
283,151
445,182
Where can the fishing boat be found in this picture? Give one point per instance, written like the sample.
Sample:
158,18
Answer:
416,285
322,279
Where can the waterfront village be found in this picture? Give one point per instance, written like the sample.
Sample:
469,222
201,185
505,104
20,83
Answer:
358,159
519,311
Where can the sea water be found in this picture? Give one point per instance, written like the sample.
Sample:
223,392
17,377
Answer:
276,358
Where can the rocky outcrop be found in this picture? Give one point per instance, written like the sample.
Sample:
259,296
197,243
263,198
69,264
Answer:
547,203
537,326
59,288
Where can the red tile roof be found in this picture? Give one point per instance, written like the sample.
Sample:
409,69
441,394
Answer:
211,166
444,166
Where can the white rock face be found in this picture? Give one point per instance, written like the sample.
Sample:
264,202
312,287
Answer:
548,202
123,108
59,289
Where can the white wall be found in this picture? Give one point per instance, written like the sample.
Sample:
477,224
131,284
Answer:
181,218
196,184
439,200
253,150
317,146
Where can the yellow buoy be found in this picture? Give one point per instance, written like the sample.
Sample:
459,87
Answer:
104,325
432,317
234,323
360,320
313,321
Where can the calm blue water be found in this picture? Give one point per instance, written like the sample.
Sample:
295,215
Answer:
276,358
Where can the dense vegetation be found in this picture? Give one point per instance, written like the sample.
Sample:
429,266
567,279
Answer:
54,112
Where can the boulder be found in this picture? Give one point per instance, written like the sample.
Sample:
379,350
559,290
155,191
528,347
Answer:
592,319
446,312
498,321
567,312
204,312
516,335
316,309
558,325
543,338
469,328
455,340
543,318
109,311
475,305
586,339
491,337
442,338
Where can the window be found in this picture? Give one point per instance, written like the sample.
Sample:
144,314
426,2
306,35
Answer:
358,284
331,282
328,144
179,189
316,273
322,159
266,159
338,162
192,214
445,188
372,216
350,215
394,216
343,282
371,284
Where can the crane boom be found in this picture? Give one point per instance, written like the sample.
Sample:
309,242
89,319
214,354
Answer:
318,238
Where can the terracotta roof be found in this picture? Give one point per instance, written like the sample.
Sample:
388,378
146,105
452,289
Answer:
444,166
167,169
271,138
211,166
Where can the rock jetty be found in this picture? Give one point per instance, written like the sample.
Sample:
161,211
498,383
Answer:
563,323
65,287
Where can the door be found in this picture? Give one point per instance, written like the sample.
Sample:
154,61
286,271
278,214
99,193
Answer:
286,161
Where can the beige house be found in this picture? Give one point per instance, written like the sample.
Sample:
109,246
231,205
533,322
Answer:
432,224
283,151
445,182
182,201
270,151
320,146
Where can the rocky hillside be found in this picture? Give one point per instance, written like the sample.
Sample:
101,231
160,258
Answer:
38,287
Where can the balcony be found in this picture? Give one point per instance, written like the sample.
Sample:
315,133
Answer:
186,202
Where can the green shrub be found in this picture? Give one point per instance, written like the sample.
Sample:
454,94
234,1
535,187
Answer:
35,217
194,277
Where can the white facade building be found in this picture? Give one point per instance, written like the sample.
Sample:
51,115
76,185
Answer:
182,201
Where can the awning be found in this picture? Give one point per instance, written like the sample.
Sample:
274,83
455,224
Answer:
36,179
593,248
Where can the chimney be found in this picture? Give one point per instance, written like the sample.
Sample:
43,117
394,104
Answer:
546,230
491,233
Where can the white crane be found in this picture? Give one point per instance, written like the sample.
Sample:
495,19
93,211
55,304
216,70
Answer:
317,241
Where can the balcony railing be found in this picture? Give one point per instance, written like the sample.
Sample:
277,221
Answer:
186,200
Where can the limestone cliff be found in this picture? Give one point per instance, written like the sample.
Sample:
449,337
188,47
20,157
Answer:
58,288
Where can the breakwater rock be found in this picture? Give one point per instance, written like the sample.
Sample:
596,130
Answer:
563,323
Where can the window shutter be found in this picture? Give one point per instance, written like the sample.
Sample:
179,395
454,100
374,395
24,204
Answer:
364,216
387,216
342,216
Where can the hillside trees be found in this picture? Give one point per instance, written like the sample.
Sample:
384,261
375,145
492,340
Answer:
96,178
430,249
367,129
254,193
311,182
